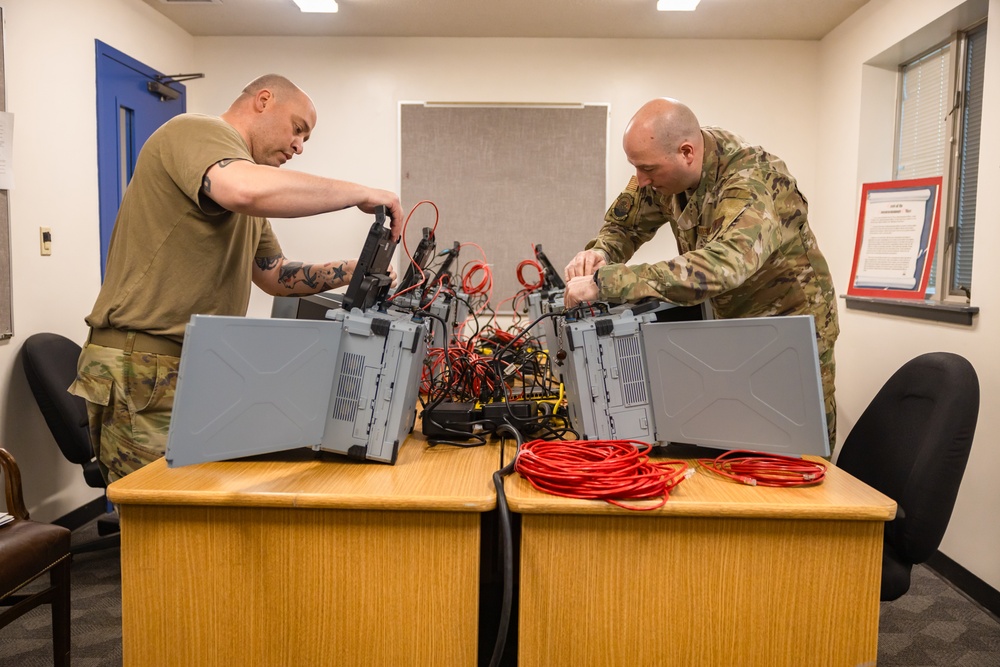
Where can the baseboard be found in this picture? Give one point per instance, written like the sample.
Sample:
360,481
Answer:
965,581
84,514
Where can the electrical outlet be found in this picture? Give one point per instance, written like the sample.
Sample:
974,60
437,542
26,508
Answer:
45,240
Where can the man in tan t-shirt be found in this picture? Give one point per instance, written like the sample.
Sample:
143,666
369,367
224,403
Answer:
190,237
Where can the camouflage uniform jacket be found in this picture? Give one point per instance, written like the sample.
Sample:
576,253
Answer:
745,241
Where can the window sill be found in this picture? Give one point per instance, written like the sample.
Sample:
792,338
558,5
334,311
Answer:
952,313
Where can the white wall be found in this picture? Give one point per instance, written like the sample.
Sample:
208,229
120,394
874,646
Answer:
50,73
872,345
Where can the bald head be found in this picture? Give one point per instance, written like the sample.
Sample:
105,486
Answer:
663,141
666,122
272,82
275,118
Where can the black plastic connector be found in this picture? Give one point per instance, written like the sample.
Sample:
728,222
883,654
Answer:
381,326
604,326
449,419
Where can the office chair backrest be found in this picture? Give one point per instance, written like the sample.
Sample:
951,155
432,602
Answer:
49,362
912,443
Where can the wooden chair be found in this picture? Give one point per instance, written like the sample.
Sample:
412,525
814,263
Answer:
29,549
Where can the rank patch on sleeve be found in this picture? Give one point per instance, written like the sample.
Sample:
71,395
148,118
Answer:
622,206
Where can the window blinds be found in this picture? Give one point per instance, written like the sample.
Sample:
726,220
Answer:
923,113
972,120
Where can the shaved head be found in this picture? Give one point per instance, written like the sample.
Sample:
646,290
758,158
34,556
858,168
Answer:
666,122
663,141
275,118
273,82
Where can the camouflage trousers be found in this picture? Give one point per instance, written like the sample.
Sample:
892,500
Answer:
827,370
129,401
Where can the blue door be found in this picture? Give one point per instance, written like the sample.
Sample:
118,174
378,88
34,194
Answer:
127,113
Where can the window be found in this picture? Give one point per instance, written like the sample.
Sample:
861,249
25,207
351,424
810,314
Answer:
939,121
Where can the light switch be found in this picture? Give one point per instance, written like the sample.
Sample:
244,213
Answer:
45,239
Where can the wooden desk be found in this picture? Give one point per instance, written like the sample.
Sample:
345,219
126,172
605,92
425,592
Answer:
299,560
724,574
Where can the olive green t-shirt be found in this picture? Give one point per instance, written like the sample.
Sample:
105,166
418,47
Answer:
175,252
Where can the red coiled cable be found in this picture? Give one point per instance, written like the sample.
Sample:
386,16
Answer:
520,274
485,283
608,470
758,469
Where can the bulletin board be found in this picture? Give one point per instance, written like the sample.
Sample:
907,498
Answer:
505,177
6,310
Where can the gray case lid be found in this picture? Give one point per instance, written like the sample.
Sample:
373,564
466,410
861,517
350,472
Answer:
251,386
750,383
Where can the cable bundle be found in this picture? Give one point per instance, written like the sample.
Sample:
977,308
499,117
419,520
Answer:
422,283
609,470
757,469
461,375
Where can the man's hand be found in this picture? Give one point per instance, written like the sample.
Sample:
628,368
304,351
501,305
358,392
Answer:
581,289
391,202
584,264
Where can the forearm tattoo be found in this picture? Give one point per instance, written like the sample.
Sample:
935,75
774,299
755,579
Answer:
268,263
300,278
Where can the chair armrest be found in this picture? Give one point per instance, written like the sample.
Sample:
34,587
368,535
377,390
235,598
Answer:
12,485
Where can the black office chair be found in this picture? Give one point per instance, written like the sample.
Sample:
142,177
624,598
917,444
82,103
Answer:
912,444
29,549
49,362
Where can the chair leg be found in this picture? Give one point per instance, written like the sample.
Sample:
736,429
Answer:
59,576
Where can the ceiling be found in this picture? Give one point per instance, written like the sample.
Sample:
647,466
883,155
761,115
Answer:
714,19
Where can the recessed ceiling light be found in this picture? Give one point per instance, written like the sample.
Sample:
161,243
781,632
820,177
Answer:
676,5
317,6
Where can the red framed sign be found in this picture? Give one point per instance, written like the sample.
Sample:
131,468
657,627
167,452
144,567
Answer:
897,230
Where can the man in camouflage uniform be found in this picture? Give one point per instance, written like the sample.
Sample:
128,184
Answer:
740,223
191,235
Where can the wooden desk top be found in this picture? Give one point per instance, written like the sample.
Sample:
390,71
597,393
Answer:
441,478
840,496
446,478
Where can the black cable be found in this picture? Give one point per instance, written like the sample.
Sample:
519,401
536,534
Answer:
498,360
587,310
503,512
471,312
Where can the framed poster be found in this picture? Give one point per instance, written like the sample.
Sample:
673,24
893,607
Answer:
897,229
